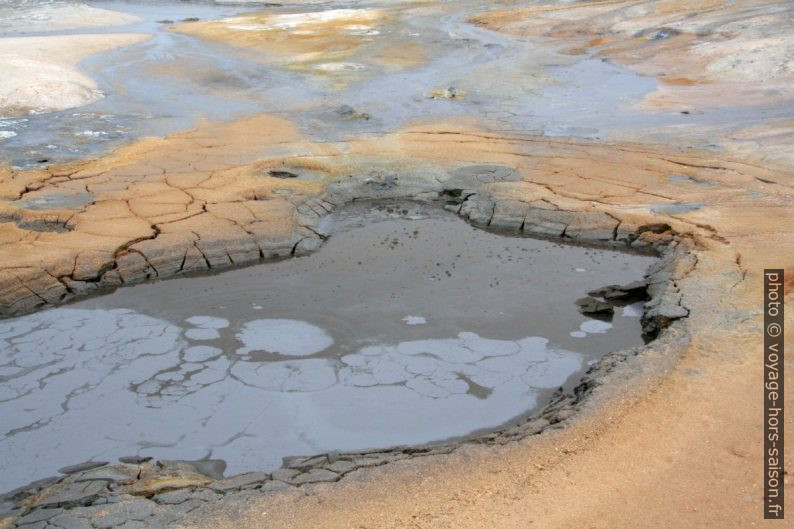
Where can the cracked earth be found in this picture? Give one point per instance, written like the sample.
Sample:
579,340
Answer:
656,126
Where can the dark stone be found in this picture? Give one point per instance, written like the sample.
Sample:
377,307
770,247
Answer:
282,174
111,474
591,305
135,460
636,291
82,467
350,113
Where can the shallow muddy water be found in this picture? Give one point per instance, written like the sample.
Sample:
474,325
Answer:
170,81
407,326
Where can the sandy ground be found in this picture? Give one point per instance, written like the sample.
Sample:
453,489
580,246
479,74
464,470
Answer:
40,73
663,446
672,439
695,49
319,43
21,16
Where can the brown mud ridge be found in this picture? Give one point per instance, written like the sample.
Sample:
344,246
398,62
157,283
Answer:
233,194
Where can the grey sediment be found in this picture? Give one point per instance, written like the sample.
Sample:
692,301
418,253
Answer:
159,493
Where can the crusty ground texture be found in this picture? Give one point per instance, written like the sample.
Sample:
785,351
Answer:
672,438
669,441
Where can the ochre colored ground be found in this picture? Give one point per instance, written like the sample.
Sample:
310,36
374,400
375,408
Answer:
672,439
704,53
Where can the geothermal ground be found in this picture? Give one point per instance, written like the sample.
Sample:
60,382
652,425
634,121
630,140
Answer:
342,264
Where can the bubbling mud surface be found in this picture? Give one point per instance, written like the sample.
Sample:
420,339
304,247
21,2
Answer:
407,326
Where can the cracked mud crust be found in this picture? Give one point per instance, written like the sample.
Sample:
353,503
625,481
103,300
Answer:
660,434
208,199
189,208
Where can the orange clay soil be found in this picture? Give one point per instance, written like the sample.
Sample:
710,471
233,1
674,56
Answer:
671,440
337,45
695,49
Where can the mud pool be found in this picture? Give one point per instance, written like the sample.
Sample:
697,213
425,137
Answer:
407,326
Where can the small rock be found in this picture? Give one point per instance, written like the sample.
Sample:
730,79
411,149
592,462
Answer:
241,481
590,305
342,466
315,475
284,474
80,467
305,462
135,460
636,291
448,93
349,113
282,174
110,474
